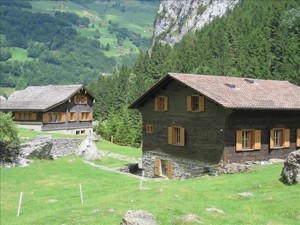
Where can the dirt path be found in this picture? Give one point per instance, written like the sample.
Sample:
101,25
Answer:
120,157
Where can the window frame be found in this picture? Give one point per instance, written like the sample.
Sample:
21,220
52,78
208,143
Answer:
72,116
80,99
47,117
176,136
149,128
86,116
298,137
161,104
25,116
285,138
255,142
190,103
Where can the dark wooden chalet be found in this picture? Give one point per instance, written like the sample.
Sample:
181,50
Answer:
63,108
194,122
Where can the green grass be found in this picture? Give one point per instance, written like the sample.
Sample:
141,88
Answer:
19,54
111,162
26,133
51,196
6,91
123,150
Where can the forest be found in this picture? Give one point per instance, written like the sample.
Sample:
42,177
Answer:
63,42
59,55
258,39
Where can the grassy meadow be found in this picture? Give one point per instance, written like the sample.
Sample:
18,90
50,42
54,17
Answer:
51,194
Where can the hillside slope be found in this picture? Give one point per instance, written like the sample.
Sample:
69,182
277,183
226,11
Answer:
62,42
176,18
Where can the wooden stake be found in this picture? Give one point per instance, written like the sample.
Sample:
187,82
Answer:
20,201
141,182
81,197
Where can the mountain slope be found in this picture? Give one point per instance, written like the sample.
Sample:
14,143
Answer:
176,18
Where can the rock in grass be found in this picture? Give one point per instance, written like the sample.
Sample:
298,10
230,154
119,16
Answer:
88,149
246,194
215,210
138,217
189,219
291,170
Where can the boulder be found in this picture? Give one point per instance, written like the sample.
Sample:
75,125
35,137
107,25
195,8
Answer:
38,147
234,168
291,169
138,217
88,150
189,219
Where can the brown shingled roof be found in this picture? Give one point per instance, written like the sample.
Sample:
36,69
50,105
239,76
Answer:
237,92
40,98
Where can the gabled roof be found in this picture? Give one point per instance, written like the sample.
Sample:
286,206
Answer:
235,92
40,98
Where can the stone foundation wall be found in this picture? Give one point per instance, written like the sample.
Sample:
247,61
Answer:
181,167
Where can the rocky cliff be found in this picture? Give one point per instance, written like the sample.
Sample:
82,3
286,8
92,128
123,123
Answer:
175,18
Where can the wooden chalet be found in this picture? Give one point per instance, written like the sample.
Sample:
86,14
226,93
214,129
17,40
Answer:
63,108
191,122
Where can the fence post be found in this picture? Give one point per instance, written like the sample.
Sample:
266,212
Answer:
141,182
81,197
20,201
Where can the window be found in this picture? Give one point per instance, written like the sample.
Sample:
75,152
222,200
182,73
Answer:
86,116
25,116
279,138
195,103
248,139
163,168
72,116
176,136
149,128
161,103
298,138
80,99
54,117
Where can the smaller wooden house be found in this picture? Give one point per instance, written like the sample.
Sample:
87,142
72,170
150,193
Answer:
191,122
62,108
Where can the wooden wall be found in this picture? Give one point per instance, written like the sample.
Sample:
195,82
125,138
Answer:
264,121
204,131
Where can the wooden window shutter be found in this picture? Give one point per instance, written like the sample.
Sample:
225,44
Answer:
81,116
298,138
189,103
156,104
170,135
69,116
62,117
166,104
90,116
257,138
34,116
76,100
271,138
157,167
45,116
201,103
169,169
182,136
286,138
17,116
84,100
239,145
